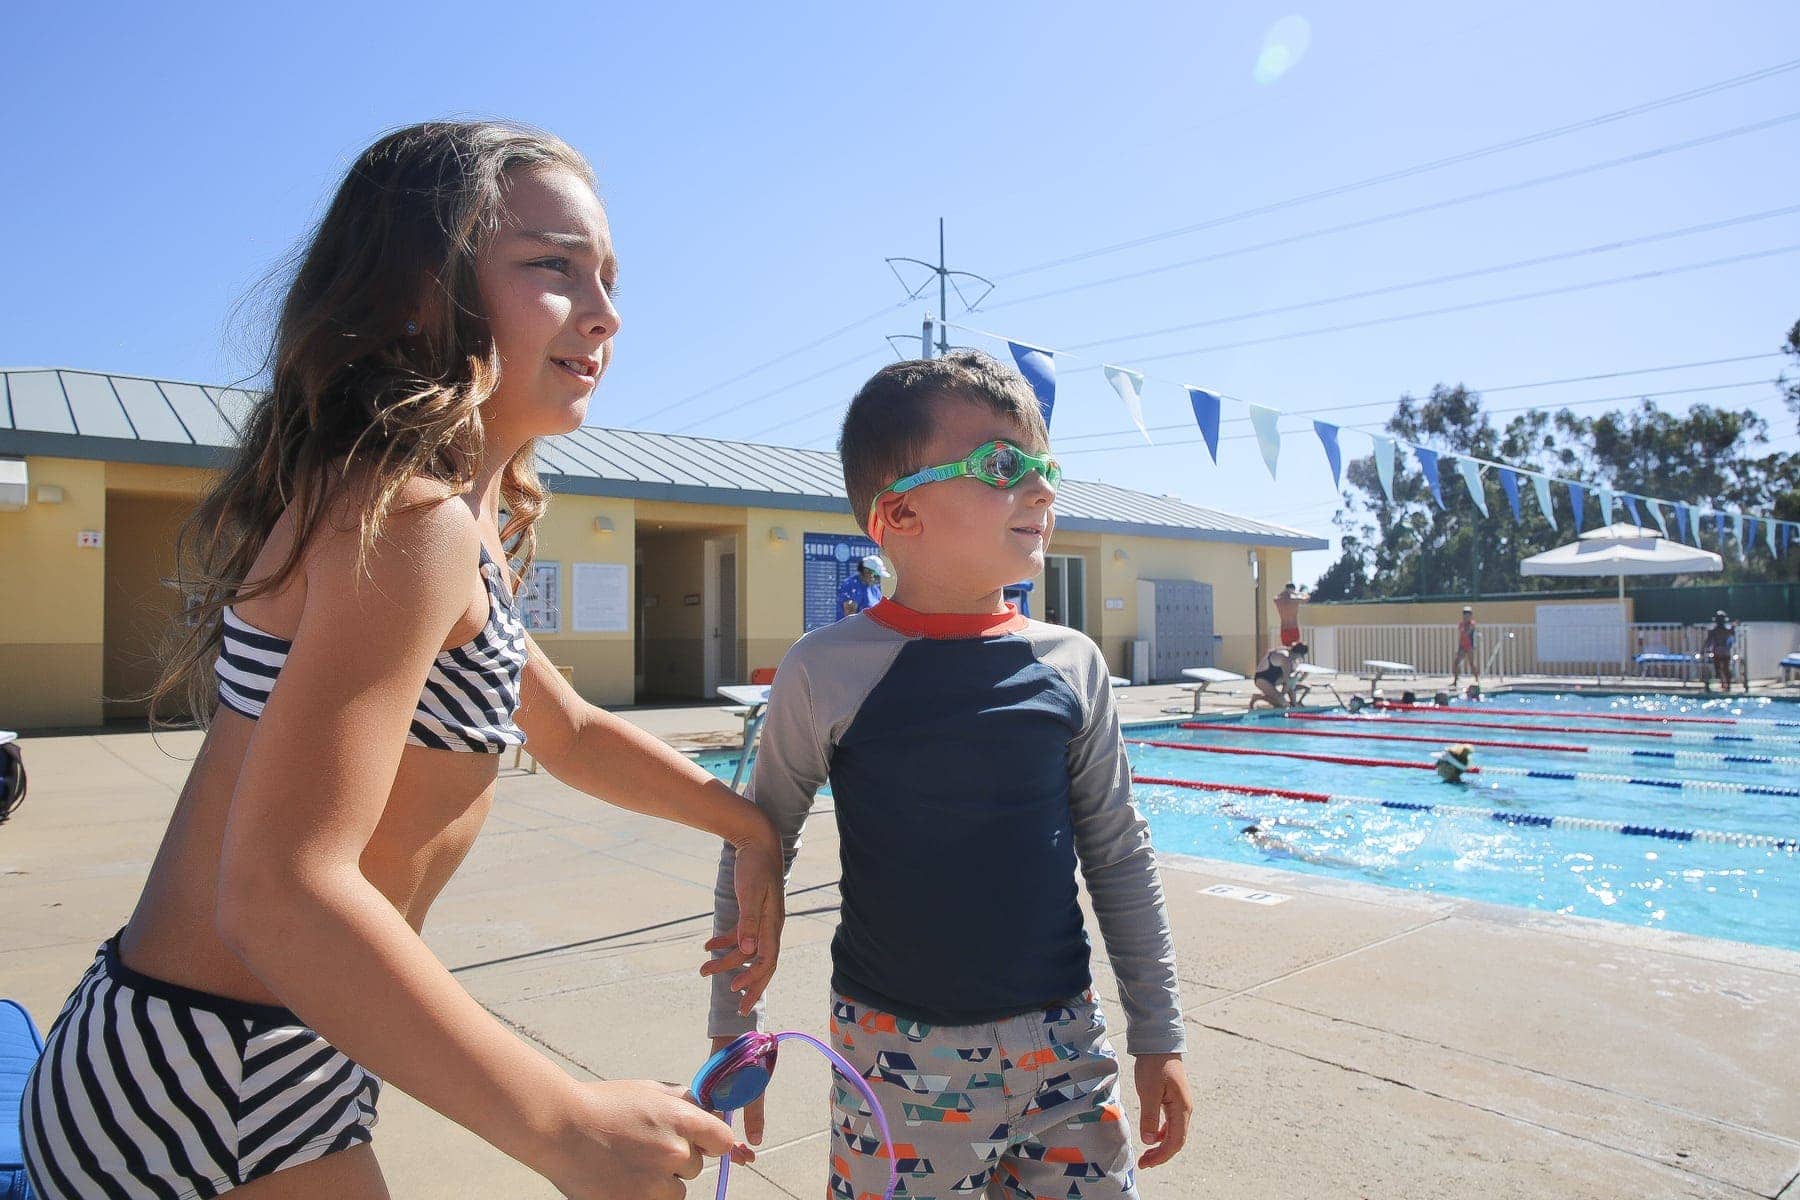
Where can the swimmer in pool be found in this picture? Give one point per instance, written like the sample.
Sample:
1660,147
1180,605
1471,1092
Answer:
1279,847
1453,762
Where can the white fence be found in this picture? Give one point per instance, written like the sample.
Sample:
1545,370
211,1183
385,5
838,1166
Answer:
1512,649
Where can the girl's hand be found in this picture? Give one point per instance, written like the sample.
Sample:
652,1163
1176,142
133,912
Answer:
1164,1105
631,1138
755,947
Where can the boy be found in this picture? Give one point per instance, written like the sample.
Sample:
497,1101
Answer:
975,758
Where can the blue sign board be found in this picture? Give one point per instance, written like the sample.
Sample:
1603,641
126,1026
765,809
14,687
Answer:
830,559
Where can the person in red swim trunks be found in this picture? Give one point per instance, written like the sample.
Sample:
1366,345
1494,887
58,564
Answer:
1287,607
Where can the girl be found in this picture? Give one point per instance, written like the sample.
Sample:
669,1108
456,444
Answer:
353,586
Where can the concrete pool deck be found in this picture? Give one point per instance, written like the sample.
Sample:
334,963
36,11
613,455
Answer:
1347,1041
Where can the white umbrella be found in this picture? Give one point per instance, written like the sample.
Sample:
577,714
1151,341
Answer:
1623,549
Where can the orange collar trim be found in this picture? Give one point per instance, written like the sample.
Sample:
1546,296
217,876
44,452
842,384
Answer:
903,620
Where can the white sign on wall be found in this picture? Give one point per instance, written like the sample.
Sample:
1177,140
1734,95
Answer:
540,603
602,592
1581,633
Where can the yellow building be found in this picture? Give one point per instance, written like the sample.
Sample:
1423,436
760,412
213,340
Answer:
667,565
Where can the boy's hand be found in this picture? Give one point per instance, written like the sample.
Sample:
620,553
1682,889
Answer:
756,945
753,1116
1164,1104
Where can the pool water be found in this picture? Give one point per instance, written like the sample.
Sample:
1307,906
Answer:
1718,890
1724,890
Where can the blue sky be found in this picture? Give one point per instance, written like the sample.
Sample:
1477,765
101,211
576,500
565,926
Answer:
760,161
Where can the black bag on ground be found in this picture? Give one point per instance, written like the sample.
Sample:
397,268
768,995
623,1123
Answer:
12,779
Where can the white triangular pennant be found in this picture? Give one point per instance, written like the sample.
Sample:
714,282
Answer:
1471,473
1384,463
1268,436
1540,484
1130,386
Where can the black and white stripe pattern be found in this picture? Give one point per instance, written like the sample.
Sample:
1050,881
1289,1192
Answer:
470,694
150,1091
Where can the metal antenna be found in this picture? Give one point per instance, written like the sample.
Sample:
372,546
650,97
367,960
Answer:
946,280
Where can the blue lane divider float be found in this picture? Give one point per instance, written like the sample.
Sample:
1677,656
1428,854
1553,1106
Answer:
1682,785
1347,760
1502,816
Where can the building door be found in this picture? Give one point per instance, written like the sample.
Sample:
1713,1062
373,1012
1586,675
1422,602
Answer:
1065,590
721,623
641,611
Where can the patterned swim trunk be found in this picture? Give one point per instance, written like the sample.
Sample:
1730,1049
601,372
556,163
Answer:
1029,1105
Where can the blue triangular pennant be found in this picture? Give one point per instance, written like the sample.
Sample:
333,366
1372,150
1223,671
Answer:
1328,438
1039,369
1578,502
1637,518
1206,415
1509,483
1428,466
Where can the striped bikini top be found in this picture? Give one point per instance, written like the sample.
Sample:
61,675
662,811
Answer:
470,695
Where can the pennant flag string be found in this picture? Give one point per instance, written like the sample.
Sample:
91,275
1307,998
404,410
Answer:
1038,366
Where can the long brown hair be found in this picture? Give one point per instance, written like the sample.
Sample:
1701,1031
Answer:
381,357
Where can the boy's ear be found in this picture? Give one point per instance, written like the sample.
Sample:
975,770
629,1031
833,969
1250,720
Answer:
898,516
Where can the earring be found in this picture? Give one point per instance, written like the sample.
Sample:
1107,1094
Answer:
412,327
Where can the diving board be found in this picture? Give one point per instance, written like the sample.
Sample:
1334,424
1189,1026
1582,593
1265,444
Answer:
1383,666
1205,677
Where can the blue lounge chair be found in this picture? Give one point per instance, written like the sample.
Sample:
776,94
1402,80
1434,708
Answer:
20,1046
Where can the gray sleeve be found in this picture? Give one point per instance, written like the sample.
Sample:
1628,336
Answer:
1113,843
790,769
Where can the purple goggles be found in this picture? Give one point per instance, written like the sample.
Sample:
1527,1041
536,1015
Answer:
738,1074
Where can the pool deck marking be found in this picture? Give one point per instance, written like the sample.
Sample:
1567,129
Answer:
1231,891
1505,817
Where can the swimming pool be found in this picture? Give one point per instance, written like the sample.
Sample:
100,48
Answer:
1641,866
1528,856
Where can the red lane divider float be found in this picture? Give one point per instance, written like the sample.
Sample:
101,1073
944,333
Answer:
1650,718
1236,789
1342,760
1551,747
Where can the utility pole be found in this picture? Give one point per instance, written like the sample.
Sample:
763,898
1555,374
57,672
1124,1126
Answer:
947,282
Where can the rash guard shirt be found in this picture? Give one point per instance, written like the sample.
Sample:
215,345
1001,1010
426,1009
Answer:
975,762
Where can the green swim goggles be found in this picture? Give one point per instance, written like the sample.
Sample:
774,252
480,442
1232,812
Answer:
997,464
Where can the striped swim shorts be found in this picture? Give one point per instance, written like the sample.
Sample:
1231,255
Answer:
1028,1105
151,1090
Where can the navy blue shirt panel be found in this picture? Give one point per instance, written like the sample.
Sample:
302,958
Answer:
953,808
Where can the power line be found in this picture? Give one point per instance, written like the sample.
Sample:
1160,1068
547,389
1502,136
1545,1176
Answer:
1452,277
1400,214
885,310
1368,426
772,392
1443,310
1437,164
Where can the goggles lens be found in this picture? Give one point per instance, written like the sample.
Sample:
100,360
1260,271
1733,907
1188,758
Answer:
1005,465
